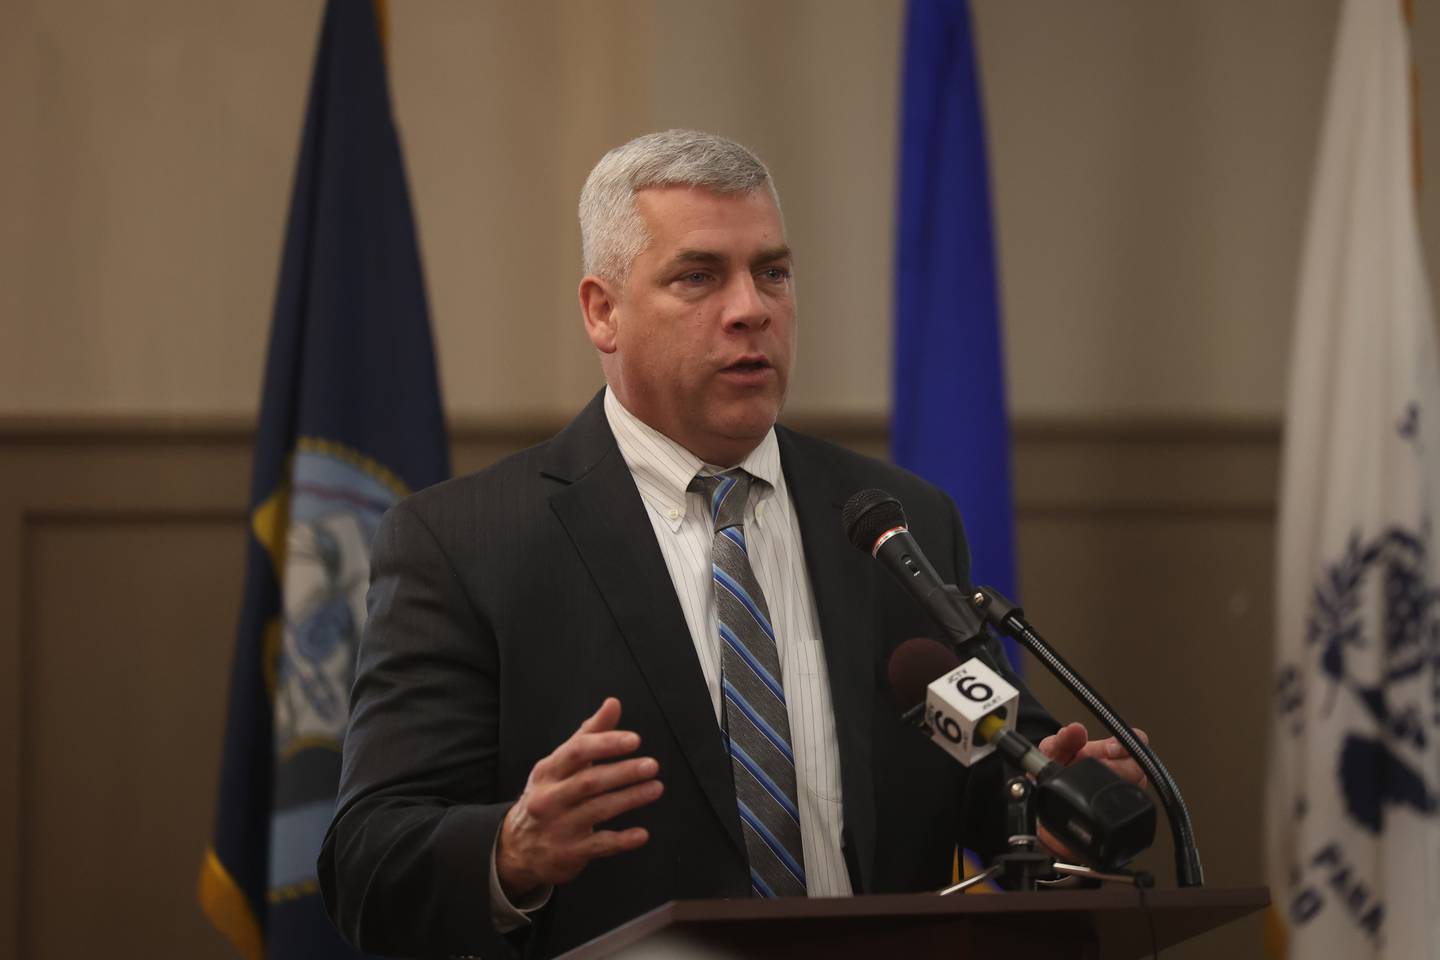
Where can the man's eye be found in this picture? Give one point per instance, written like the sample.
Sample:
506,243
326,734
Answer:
776,274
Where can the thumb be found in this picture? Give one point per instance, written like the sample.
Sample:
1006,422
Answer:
1065,743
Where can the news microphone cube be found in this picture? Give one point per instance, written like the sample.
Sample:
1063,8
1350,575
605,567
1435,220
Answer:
957,702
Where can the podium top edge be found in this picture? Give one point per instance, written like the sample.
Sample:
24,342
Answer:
924,904
1226,902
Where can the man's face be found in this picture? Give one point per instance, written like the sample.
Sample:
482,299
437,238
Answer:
700,336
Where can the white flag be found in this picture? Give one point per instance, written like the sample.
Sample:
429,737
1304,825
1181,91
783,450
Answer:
1353,834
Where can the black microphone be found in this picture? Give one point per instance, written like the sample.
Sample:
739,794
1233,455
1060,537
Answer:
875,522
1093,810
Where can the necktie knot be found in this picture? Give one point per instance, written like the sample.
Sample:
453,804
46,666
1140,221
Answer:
725,495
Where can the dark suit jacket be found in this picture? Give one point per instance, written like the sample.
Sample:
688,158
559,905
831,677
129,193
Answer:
506,605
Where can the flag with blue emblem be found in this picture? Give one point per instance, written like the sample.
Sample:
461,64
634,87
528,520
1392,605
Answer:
350,421
949,422
1353,834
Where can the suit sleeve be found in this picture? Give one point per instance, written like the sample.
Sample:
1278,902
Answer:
982,822
405,866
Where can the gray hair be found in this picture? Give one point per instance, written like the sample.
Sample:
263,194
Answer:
612,233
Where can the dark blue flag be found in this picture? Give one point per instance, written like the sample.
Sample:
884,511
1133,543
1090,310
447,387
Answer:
350,421
949,423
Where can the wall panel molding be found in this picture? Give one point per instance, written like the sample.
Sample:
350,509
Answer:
1182,460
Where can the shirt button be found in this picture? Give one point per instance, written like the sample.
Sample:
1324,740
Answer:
673,514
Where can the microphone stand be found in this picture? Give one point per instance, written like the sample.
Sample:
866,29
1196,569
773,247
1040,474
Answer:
1010,619
1027,865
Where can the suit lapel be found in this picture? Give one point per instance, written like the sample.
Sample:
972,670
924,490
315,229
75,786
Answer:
841,580
603,514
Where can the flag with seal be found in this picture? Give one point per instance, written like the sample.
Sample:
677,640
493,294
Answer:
350,421
1353,835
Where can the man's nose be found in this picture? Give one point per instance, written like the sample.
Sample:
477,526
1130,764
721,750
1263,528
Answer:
745,308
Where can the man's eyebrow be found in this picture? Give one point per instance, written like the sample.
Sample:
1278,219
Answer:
696,256
710,257
771,255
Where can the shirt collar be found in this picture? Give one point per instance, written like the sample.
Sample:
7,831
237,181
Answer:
663,469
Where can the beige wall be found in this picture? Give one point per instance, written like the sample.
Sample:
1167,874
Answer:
1151,164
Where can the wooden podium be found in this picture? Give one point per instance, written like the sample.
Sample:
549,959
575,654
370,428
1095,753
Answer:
1107,924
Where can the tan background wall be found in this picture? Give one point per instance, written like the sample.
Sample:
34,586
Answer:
1151,165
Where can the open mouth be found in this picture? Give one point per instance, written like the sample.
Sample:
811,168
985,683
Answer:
749,366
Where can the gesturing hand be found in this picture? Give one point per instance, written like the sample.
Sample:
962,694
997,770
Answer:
1071,742
549,835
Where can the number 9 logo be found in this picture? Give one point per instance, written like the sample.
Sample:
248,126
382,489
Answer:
974,689
947,727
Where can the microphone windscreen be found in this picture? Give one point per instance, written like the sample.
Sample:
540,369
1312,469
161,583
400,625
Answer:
868,514
916,664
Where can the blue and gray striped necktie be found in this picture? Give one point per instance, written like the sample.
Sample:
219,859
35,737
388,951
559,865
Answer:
757,727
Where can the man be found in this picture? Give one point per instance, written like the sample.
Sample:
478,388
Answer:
613,670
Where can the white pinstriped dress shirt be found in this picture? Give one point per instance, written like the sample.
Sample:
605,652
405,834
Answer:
662,470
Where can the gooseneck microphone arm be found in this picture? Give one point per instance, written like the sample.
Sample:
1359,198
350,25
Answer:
1010,619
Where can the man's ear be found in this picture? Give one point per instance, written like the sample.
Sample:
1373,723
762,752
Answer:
598,304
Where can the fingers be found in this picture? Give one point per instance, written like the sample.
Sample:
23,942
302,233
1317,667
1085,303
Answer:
1127,770
549,834
1065,744
596,739
605,718
608,806
607,843
1115,750
603,778
1113,754
1071,742
583,749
